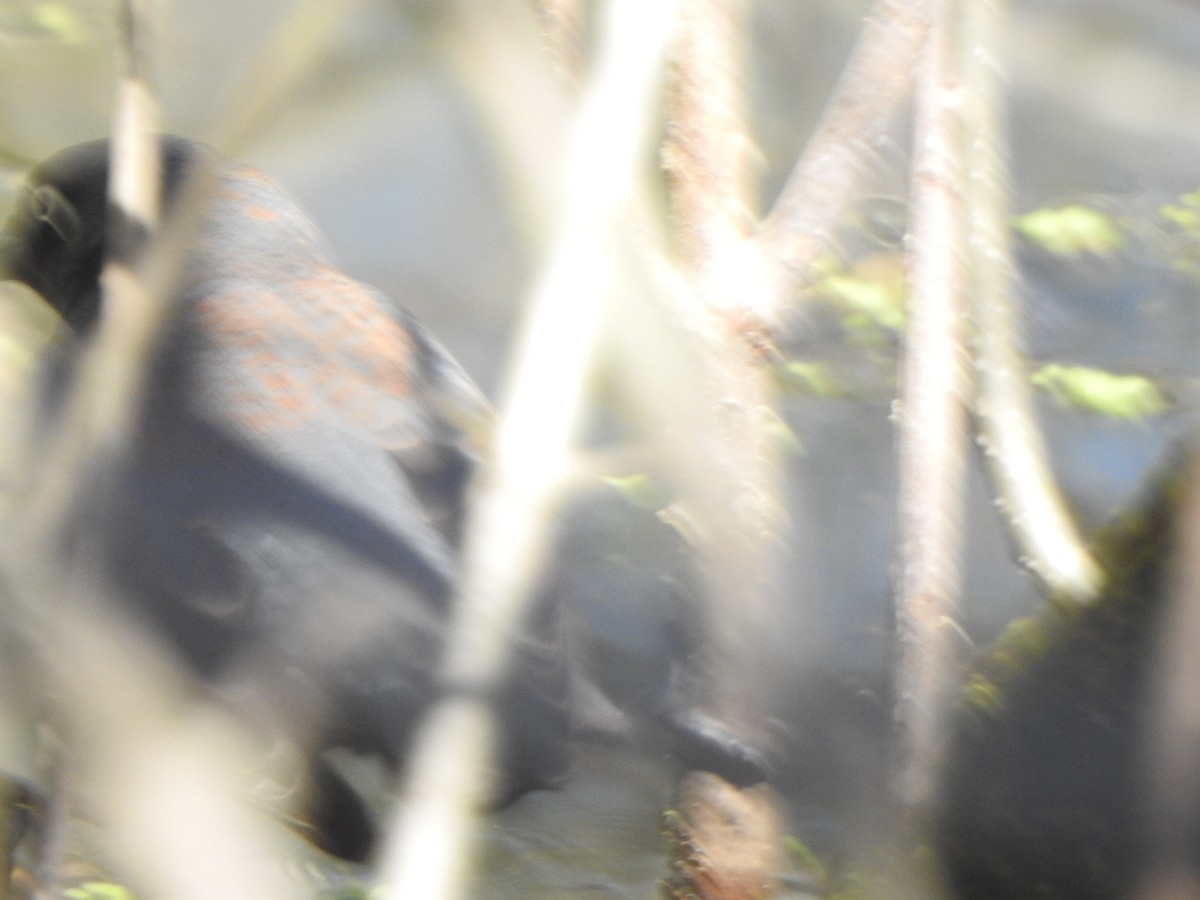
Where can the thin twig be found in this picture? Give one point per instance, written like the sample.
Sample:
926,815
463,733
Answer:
97,421
135,166
108,386
1048,541
101,403
506,531
280,68
828,177
493,50
931,422
562,26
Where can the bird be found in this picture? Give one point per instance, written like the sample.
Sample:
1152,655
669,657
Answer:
285,515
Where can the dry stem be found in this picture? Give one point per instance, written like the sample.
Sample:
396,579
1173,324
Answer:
931,423
506,530
1049,543
828,177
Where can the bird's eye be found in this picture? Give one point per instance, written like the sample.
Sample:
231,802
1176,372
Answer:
48,205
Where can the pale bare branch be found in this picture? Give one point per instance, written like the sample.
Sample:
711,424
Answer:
109,384
166,786
931,421
506,531
705,155
281,66
1048,541
493,49
562,25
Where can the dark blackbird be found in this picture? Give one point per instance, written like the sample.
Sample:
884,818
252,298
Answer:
285,517
1045,780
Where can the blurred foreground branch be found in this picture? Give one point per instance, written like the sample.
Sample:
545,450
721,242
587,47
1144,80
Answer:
167,787
506,531
108,386
562,26
493,50
279,68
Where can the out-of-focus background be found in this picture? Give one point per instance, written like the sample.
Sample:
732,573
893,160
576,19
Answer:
392,159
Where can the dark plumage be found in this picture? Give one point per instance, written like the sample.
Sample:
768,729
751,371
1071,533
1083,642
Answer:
286,515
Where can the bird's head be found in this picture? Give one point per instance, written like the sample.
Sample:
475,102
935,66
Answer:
54,239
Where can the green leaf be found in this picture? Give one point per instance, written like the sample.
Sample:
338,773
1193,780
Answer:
810,378
784,437
1115,396
1185,214
873,300
45,20
983,695
1072,230
98,890
641,490
1187,219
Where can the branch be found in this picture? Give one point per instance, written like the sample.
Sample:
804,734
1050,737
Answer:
705,152
493,50
279,68
108,386
168,786
730,503
1048,542
931,422
828,177
561,23
506,531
